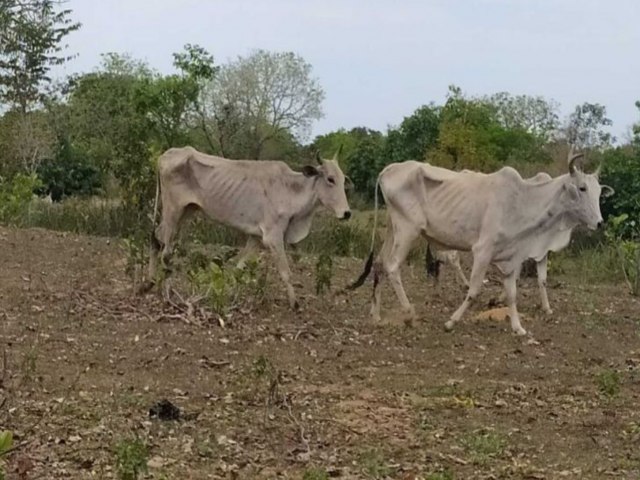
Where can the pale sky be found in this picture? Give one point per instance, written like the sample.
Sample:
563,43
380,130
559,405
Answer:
378,60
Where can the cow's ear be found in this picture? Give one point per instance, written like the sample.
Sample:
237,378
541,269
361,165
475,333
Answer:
310,171
607,191
348,182
572,190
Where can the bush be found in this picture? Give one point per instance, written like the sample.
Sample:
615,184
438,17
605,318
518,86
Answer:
69,173
15,198
628,251
222,287
621,171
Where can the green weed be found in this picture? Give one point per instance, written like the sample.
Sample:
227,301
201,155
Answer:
483,445
324,273
6,444
131,458
374,465
445,475
608,382
315,473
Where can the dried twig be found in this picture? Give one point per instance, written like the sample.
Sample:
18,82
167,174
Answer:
296,422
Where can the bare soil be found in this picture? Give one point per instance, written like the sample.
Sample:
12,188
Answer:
278,394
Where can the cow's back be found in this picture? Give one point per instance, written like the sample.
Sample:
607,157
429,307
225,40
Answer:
239,193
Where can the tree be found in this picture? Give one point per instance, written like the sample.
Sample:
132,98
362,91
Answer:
107,126
415,136
535,115
473,134
585,127
170,101
366,161
31,35
261,96
464,140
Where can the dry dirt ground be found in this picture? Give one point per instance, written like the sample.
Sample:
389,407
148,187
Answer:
318,394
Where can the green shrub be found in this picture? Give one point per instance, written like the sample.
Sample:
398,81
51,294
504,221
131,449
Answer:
484,444
15,198
608,382
619,230
222,286
131,458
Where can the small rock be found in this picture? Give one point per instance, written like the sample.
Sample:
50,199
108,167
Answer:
165,410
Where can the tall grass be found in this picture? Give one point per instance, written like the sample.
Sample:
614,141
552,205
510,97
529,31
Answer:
589,257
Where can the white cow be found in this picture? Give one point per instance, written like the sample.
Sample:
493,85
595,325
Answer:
264,199
452,257
500,217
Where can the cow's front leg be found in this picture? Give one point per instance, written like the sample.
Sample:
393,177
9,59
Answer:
480,265
541,269
510,293
275,243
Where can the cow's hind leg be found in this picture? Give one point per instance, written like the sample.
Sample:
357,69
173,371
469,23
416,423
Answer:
541,269
455,261
510,292
275,243
376,299
404,236
252,246
480,265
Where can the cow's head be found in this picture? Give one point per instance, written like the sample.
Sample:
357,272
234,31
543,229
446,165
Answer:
330,185
583,191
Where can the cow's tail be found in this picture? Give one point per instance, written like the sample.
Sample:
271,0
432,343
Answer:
432,264
369,263
155,243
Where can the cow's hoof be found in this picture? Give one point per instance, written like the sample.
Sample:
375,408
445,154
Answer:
519,331
296,306
448,326
547,311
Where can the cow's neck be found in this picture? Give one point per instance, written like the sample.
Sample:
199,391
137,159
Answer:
545,217
304,202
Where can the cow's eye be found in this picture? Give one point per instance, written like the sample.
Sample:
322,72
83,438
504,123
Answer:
331,180
583,189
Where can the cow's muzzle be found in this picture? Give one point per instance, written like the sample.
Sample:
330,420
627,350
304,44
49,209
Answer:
346,215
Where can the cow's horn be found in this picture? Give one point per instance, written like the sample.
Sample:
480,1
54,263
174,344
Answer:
572,162
318,158
338,152
598,170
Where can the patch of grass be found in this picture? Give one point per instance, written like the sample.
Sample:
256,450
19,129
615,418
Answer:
6,444
324,273
374,465
261,366
131,458
483,445
315,473
596,264
608,382
445,475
